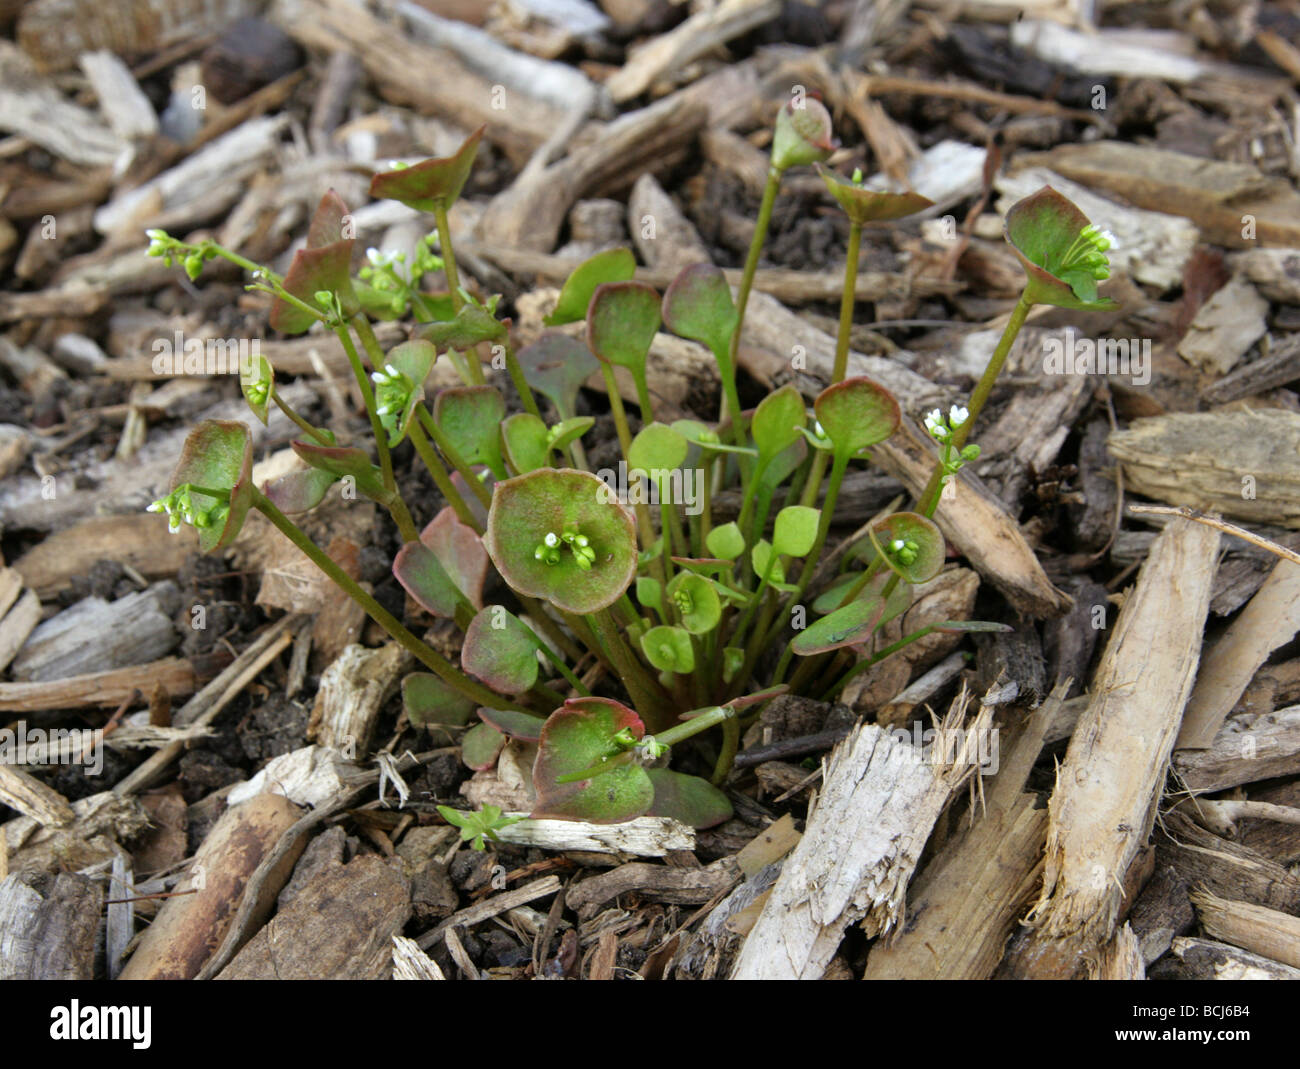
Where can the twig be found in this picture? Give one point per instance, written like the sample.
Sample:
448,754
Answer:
1219,524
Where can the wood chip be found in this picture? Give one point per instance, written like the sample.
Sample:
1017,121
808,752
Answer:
1225,328
1272,935
48,926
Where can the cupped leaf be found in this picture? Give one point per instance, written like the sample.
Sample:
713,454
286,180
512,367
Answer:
325,264
776,422
698,607
422,575
706,437
344,462
471,417
657,448
578,736
501,651
621,323
471,326
612,265
217,454
558,502
400,386
911,544
556,366
435,182
300,491
522,726
568,431
688,799
480,746
761,558
460,551
867,205
795,530
725,541
855,414
525,441
698,306
429,701
856,621
669,649
257,383
803,134
1062,254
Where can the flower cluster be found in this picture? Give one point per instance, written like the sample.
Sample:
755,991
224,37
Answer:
1088,253
904,550
392,396
548,550
181,508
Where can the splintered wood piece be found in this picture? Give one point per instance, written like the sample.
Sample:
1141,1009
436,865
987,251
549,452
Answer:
642,837
664,237
697,36
309,776
1200,858
1119,959
967,900
1270,620
529,214
48,926
101,822
189,926
127,109
352,691
660,883
33,108
31,797
339,927
1240,463
1207,959
1225,328
1244,751
138,540
412,963
18,623
1216,195
104,690
879,801
1107,791
1262,931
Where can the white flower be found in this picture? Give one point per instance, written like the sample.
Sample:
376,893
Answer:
896,544
1111,241
551,539
957,415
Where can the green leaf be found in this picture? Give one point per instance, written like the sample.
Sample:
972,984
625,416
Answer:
855,414
726,541
697,603
480,746
257,387
324,264
657,448
460,551
669,649
218,454
556,366
867,205
795,530
525,442
759,557
301,490
412,360
426,185
688,799
920,557
803,134
621,323
777,421
429,701
476,827
568,431
471,416
612,265
471,326
345,461
422,575
553,501
649,592
516,725
698,306
501,651
1044,230
706,437
855,622
578,736
733,659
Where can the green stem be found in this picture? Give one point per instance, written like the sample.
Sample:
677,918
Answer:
846,304
438,471
875,658
727,755
434,661
761,225
298,421
453,454
647,697
520,382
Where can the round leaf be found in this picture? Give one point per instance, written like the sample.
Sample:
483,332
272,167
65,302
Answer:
867,205
612,265
428,700
669,649
500,650
698,306
777,421
426,185
803,134
522,726
480,746
688,799
460,551
657,448
855,622
557,365
795,530
422,575
697,603
855,414
921,541
577,736
1042,229
525,442
621,323
726,541
218,454
527,508
471,417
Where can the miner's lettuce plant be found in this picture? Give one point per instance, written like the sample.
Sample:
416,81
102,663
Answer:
636,622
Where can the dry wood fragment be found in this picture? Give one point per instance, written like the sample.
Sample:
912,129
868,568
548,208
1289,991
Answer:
138,540
1244,751
642,837
35,109
879,800
127,109
1269,621
48,924
309,776
1207,959
101,822
1266,932
529,214
698,35
1225,327
95,635
1181,459
491,907
1215,194
1230,869
18,623
1163,54
352,692
99,689
1275,272
29,796
1107,790
660,883
340,927
1280,365
189,926
966,901
412,963
1119,959
662,234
